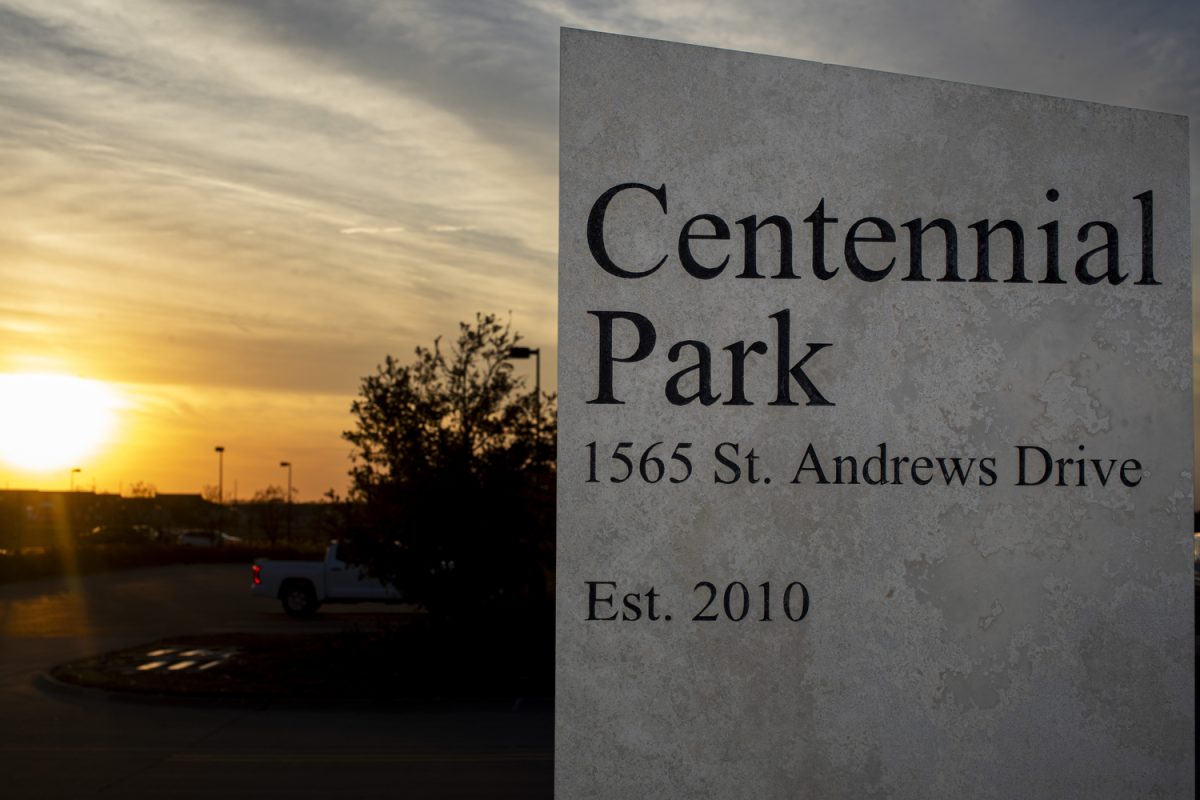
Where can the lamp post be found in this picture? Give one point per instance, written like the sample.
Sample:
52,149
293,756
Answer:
288,464
220,450
536,352
73,471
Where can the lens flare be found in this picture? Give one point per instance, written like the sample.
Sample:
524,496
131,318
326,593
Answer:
49,422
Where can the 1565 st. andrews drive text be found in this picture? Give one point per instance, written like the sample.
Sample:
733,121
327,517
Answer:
725,463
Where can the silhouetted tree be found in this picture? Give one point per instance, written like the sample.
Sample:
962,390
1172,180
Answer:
453,465
269,511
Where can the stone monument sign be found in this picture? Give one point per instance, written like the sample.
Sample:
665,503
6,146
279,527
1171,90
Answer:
875,456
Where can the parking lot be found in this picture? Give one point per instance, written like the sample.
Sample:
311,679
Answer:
81,743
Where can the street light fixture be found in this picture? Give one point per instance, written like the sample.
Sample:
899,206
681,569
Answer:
536,352
73,471
288,464
220,450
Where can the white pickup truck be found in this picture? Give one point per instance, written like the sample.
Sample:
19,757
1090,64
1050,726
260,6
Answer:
302,586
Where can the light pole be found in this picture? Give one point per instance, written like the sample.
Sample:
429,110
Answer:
73,471
288,464
536,352
220,450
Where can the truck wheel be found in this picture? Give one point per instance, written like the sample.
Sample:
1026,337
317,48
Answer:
298,599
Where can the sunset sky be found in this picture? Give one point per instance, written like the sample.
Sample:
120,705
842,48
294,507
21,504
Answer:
225,214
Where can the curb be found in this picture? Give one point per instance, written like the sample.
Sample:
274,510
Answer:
47,683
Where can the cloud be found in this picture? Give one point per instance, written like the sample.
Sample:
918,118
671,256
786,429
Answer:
177,165
368,231
492,65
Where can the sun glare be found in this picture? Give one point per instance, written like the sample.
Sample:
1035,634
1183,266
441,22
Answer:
49,422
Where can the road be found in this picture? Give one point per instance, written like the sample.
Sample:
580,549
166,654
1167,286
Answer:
86,744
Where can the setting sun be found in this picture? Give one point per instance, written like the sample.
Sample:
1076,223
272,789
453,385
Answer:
50,422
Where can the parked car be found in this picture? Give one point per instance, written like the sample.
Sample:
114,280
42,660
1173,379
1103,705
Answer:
302,586
120,534
202,537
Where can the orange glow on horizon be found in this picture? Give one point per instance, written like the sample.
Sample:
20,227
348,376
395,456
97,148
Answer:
161,436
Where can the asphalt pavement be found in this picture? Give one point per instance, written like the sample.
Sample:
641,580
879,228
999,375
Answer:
78,743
